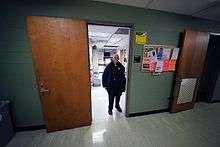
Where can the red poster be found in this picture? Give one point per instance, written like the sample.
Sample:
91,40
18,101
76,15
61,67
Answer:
165,65
146,64
152,66
172,65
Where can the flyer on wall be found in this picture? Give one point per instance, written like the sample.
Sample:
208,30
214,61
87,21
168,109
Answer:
146,58
141,38
159,66
173,60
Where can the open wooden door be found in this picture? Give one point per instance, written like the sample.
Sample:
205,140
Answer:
60,56
189,70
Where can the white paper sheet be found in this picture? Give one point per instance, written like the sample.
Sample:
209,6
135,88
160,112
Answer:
159,66
166,54
175,54
153,55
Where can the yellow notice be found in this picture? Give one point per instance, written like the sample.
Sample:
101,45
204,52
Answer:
141,38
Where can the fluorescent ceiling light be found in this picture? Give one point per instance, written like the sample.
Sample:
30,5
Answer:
218,34
99,34
114,40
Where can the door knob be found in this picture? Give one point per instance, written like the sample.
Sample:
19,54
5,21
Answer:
42,90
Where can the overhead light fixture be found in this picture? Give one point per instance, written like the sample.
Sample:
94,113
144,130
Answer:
114,40
98,34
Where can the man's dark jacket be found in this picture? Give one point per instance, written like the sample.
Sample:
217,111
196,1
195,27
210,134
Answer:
108,75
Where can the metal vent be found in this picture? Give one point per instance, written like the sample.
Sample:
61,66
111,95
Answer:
186,92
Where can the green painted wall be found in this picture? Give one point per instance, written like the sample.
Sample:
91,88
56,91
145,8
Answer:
216,93
17,77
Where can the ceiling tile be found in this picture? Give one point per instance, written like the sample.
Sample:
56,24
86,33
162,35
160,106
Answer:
187,7
212,13
105,35
198,8
135,3
102,29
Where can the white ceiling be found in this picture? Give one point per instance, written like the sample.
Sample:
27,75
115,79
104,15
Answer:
208,9
105,36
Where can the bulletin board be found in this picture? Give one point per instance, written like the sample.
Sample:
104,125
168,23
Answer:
159,58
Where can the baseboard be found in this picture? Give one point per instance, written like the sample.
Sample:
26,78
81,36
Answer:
39,127
148,112
215,101
29,128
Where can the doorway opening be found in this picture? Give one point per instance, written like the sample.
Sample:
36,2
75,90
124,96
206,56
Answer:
210,79
104,42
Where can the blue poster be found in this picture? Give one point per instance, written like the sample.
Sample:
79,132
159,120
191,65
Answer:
160,53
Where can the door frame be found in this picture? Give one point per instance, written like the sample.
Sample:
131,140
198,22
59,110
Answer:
130,54
198,99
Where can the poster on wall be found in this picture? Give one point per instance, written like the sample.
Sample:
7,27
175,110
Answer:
159,66
166,53
166,58
166,65
146,58
153,60
141,38
159,53
173,60
175,54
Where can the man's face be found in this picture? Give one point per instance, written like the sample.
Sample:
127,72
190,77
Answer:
115,59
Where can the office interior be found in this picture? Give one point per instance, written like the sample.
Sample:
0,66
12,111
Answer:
146,119
104,42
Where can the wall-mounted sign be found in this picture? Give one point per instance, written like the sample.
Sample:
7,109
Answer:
141,38
137,59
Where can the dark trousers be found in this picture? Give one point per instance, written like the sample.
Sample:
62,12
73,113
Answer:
112,93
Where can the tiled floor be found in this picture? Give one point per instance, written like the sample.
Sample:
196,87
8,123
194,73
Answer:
199,127
100,105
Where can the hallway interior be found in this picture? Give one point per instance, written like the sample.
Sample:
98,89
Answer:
199,127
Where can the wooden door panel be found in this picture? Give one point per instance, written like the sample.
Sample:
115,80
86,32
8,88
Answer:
185,54
60,55
193,53
189,68
199,54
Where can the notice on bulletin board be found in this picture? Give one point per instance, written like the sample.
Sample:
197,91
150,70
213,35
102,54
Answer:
141,38
172,65
146,58
175,54
166,65
159,66
172,62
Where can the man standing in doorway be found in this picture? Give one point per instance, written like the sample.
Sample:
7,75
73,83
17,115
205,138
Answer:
113,80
